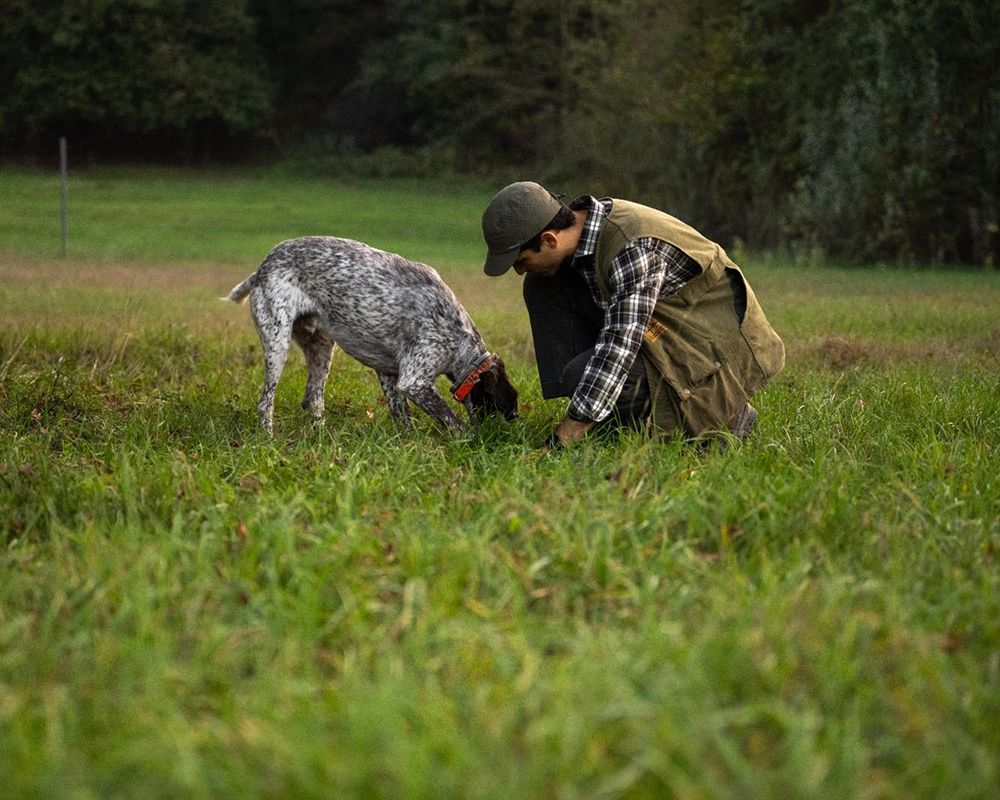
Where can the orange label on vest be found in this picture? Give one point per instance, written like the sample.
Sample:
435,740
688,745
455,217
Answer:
654,331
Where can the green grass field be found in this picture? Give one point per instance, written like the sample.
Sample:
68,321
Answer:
188,609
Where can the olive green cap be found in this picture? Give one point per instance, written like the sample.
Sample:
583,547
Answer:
515,215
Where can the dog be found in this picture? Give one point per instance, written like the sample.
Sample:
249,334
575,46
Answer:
391,314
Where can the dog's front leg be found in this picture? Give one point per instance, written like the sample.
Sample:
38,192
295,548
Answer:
318,349
430,401
475,415
398,406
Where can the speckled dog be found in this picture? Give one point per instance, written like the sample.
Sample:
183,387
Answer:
396,316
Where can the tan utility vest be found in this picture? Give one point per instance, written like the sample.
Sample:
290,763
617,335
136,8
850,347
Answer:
695,342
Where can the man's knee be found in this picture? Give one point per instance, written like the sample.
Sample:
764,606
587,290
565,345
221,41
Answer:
572,373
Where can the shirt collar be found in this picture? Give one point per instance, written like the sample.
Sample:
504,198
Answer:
597,211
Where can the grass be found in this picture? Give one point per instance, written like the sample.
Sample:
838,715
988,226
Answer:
188,609
199,217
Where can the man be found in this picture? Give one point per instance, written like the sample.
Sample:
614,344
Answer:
635,316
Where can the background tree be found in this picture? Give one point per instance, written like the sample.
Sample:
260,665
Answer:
901,142
862,129
312,51
490,82
169,77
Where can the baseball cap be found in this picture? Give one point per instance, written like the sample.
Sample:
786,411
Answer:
515,215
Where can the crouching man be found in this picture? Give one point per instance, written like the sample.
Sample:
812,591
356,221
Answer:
635,316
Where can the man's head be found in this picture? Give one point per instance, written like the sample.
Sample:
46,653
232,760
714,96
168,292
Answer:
518,218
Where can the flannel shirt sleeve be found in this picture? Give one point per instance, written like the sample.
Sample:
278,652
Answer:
640,274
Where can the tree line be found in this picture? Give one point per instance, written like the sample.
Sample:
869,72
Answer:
860,129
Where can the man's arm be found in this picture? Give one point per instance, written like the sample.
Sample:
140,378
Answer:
642,272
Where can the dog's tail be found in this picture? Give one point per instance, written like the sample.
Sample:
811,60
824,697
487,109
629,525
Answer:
240,291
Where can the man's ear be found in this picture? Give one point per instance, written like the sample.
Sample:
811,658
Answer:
549,239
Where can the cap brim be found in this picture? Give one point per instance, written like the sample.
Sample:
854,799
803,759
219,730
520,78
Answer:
498,263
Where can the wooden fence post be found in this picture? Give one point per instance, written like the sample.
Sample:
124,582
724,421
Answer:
63,191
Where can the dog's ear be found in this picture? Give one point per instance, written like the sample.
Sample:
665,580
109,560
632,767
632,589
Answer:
504,393
489,380
493,393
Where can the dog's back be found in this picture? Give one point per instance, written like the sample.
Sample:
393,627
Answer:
376,305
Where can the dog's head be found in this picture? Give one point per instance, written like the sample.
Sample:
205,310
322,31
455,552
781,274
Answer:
494,393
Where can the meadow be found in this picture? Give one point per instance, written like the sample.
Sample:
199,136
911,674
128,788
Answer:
189,609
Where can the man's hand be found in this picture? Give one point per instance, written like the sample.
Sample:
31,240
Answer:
567,432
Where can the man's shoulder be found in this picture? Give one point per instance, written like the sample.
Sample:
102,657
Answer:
627,212
629,222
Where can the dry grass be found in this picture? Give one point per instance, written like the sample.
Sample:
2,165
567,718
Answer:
834,323
72,294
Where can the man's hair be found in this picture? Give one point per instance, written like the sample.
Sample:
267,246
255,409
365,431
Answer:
563,219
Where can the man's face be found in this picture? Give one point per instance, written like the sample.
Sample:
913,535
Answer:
537,262
556,247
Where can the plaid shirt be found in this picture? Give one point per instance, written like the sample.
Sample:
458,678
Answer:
643,271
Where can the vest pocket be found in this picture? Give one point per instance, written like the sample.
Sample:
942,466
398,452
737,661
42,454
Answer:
712,356
683,359
714,402
707,391
686,359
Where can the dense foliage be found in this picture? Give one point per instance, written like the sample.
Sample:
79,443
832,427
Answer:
865,129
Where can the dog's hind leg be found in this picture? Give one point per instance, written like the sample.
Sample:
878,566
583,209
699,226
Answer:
398,406
318,349
275,333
